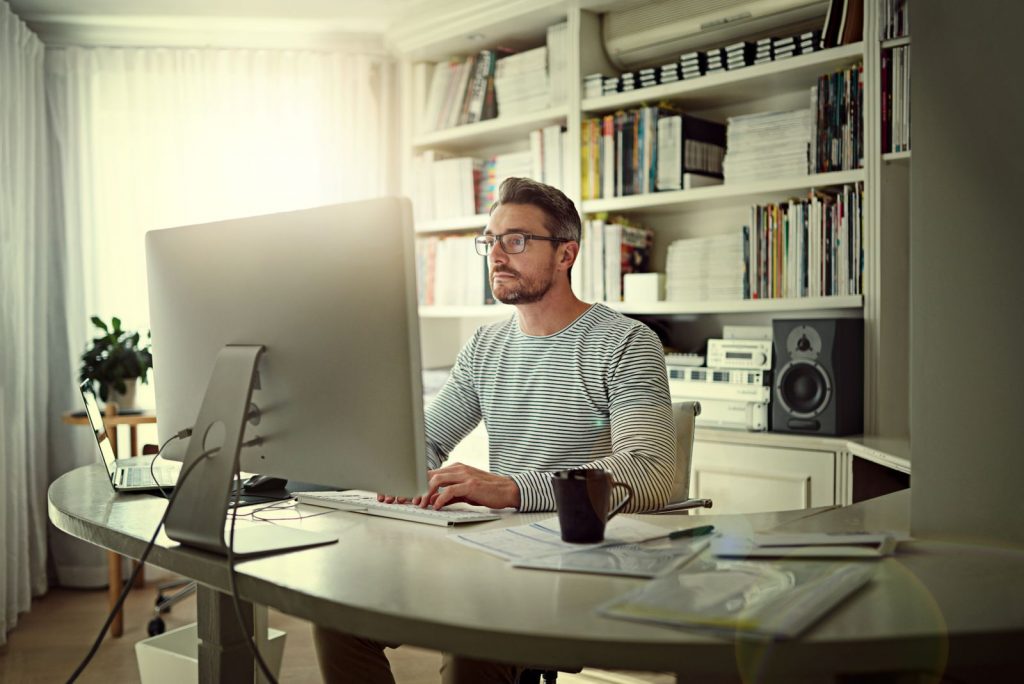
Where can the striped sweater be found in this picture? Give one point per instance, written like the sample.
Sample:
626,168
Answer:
593,395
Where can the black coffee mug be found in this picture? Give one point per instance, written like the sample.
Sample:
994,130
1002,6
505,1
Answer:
583,498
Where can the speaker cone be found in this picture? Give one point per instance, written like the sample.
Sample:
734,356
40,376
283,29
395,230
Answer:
803,388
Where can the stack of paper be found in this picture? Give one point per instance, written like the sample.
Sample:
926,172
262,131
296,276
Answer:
709,268
738,598
768,145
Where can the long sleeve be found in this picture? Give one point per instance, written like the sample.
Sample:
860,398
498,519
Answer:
643,448
455,411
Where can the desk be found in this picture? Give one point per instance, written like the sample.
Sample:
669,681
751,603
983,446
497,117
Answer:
403,582
113,420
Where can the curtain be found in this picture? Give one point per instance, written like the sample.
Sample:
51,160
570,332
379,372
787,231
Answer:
159,137
24,293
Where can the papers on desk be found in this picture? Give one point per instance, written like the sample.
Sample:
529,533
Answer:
539,545
755,599
807,545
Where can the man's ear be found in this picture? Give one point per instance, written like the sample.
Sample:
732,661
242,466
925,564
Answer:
572,250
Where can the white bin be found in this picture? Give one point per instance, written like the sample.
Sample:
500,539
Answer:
173,657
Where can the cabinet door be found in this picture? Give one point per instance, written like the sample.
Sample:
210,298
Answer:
751,479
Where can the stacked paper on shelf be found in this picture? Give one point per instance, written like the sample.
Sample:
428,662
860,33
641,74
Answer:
777,599
521,82
768,145
708,268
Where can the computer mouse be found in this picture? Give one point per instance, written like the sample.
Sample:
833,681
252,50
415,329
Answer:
263,483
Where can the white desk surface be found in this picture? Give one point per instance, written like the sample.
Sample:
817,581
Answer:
407,583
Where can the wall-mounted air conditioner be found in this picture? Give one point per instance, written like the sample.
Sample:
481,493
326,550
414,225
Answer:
657,30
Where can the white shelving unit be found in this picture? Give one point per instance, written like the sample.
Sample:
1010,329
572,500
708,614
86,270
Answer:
774,86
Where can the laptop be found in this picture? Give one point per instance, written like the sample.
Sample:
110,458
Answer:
126,474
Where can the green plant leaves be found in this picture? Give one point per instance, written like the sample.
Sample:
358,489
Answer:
115,357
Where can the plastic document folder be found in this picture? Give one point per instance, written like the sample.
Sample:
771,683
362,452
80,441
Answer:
631,560
755,599
807,545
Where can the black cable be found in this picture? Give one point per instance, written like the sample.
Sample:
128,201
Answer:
235,600
142,560
187,432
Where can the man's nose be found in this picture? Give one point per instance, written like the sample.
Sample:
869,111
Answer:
497,255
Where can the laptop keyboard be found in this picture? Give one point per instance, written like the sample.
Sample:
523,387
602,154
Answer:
362,502
140,477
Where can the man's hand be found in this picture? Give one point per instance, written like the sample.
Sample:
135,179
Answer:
461,483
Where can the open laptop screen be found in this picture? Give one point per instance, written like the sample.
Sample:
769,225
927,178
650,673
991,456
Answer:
92,410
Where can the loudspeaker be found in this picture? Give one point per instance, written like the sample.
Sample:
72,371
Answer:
819,376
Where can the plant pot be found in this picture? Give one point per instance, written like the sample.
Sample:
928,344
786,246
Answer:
126,400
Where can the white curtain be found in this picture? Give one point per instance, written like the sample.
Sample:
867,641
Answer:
152,138
24,289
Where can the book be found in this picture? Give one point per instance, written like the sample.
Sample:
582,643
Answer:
779,599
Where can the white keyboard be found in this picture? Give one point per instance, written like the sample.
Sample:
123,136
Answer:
363,502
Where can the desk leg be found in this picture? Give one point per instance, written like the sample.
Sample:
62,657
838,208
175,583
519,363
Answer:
223,655
114,585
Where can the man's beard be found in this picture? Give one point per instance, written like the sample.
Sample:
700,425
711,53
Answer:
522,290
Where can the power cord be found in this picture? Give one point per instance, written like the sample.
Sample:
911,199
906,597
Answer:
182,434
235,599
142,560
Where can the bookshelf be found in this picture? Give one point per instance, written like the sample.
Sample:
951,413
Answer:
782,85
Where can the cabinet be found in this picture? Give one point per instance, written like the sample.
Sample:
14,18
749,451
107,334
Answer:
462,29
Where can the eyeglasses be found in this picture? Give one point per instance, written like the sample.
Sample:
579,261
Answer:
511,243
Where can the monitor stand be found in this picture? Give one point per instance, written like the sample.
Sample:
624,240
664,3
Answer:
200,509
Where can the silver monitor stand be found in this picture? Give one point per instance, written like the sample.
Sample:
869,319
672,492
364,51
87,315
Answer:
198,516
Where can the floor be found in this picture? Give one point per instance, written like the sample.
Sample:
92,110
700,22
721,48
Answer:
55,635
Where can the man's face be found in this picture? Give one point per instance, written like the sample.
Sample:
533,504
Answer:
526,277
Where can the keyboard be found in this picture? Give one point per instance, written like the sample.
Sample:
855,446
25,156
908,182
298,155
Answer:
363,502
137,477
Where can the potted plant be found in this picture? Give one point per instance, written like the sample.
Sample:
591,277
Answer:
114,361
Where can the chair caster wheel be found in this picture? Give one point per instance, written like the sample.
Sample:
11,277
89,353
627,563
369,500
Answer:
156,626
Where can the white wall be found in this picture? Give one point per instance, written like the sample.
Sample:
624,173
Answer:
967,240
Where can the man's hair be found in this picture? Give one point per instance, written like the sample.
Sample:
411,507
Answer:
560,216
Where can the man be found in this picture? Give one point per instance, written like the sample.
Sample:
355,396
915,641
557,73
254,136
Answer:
562,384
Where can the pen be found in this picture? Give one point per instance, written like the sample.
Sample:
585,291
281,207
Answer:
674,534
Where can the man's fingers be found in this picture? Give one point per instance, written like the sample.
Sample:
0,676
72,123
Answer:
450,494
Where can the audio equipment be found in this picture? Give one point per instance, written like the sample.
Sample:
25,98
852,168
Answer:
819,376
750,354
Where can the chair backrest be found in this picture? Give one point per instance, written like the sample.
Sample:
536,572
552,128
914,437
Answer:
685,415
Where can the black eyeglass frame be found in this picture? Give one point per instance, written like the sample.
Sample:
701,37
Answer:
483,249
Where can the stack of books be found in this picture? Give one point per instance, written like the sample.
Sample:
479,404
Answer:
450,273
690,152
610,248
647,77
896,99
707,268
714,60
809,41
445,187
763,51
784,47
692,65
806,248
894,19
669,73
593,85
738,55
460,92
767,145
838,142
521,82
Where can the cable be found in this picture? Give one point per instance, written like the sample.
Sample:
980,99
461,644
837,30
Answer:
142,560
182,434
235,600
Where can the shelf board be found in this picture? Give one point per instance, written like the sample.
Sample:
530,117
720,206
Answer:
743,85
459,223
481,311
720,195
491,132
740,305
669,308
896,156
895,42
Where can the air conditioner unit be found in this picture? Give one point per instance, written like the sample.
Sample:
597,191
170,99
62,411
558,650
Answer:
659,30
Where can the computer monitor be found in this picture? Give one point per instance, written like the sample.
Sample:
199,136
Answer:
330,294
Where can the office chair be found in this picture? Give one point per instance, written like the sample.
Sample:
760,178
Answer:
684,416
